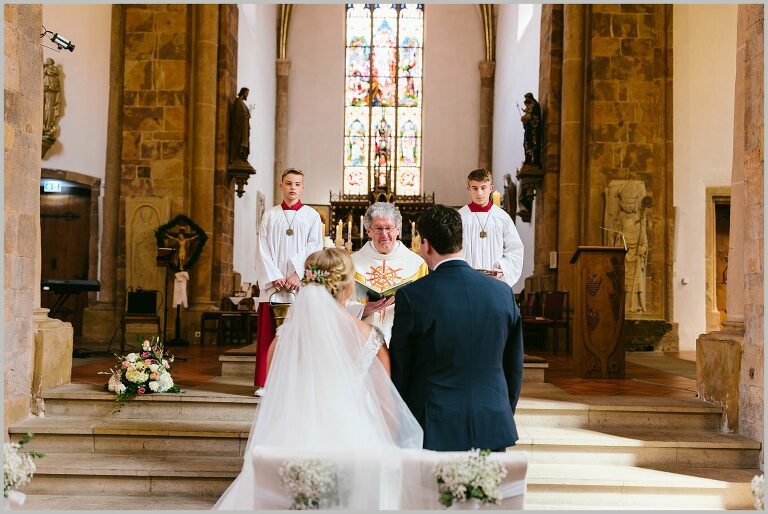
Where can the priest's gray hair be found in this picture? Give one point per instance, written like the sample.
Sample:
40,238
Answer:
382,210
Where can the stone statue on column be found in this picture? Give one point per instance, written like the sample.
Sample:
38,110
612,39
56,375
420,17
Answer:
240,128
532,126
238,168
51,103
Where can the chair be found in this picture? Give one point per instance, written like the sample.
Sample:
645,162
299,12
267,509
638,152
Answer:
529,305
554,315
140,308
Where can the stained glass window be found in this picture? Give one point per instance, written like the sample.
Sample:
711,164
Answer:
383,98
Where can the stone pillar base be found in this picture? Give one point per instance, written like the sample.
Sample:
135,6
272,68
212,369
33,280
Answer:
99,323
53,355
718,367
650,335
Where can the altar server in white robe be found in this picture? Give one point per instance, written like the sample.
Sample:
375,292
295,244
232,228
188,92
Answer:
382,264
288,233
491,241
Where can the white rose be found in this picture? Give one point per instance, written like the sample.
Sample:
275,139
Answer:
145,345
154,367
165,381
132,357
120,387
165,364
154,385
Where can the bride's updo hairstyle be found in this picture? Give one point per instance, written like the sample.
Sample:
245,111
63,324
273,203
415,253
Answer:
331,268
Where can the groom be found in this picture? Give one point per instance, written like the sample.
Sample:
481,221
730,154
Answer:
457,345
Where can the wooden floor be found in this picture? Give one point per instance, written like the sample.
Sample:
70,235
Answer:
202,365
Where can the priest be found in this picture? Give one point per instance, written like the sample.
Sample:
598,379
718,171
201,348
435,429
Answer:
382,265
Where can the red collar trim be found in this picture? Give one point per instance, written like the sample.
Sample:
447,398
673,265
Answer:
295,207
473,207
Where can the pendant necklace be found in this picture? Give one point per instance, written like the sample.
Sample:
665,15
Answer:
289,230
483,233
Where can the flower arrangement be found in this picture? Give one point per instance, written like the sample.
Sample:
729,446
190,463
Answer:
310,482
313,274
139,373
758,490
18,467
473,476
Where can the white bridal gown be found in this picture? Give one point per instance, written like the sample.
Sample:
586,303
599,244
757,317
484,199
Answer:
327,397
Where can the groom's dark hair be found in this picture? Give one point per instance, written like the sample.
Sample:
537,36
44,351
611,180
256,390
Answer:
441,226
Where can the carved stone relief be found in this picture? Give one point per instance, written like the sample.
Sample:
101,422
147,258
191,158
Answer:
626,220
144,214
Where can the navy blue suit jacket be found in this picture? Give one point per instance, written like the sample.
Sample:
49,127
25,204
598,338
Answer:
457,357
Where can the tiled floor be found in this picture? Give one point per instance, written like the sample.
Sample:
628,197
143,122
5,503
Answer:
202,365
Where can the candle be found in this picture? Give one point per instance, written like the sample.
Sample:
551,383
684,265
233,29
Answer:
338,231
322,231
413,229
362,229
349,228
496,198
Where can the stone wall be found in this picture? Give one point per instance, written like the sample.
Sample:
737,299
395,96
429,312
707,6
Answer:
628,130
751,383
23,87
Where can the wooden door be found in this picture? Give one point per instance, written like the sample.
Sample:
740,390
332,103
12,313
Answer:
65,232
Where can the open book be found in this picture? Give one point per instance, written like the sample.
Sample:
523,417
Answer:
377,294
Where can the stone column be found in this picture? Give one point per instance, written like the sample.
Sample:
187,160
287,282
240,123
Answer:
283,68
485,150
206,30
546,203
23,119
730,361
751,382
571,146
99,320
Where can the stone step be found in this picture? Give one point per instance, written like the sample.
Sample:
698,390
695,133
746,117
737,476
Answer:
129,436
101,502
545,444
541,404
139,474
241,363
584,486
549,485
215,400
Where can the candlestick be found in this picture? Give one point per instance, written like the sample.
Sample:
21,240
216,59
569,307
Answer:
496,198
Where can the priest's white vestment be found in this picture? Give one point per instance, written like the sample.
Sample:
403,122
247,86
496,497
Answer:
380,272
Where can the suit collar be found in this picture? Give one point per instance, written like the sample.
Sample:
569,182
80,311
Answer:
453,263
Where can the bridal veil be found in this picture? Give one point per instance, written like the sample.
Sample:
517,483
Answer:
327,397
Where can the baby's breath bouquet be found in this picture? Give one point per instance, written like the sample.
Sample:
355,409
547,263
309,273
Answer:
18,467
473,476
310,483
144,372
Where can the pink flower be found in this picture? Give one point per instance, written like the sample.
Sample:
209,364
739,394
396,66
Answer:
154,375
309,275
145,355
125,364
142,390
147,362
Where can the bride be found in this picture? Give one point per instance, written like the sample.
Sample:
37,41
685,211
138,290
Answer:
328,397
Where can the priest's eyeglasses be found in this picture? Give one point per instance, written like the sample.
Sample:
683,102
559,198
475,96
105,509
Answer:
381,230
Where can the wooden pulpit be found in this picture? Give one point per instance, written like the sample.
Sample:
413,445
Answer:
598,331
